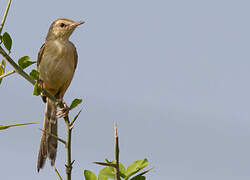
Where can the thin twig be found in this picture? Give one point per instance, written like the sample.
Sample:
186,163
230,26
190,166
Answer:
16,67
26,76
117,172
72,122
105,164
5,16
59,139
68,164
7,74
58,174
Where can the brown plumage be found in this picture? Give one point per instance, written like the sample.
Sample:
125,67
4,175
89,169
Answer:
56,63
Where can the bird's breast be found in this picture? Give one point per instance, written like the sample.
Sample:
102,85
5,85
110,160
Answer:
57,64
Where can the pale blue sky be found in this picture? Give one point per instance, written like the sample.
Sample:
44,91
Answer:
173,74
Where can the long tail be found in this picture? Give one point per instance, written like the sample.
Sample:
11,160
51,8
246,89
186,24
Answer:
48,145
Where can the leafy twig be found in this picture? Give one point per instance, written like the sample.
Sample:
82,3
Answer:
115,165
16,67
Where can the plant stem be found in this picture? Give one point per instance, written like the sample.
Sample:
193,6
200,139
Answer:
5,16
26,76
59,139
16,67
58,174
68,149
7,74
117,172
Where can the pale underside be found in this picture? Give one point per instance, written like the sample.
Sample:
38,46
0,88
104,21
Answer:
57,66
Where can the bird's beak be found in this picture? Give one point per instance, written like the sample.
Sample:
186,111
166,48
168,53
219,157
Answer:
75,24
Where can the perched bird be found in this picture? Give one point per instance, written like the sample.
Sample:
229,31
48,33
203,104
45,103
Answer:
56,63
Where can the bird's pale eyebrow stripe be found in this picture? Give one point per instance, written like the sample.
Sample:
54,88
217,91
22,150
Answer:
59,22
63,20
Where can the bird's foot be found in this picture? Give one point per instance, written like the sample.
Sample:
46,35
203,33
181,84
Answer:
63,111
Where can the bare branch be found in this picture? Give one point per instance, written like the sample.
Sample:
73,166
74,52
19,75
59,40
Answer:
7,74
5,16
58,174
105,164
59,139
117,172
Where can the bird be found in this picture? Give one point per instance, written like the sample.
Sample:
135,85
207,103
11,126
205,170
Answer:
56,64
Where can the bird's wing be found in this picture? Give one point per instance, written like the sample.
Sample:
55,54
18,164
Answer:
75,58
39,59
40,54
75,55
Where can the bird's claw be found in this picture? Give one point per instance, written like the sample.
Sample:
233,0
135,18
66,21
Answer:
63,111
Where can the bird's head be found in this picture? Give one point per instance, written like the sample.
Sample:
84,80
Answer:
62,29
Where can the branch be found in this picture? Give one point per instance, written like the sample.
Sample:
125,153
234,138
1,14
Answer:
68,164
58,174
115,165
117,172
105,164
5,16
59,139
72,122
16,67
7,74
26,76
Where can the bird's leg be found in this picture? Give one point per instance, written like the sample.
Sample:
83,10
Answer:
63,111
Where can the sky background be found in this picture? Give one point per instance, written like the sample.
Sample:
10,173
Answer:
173,74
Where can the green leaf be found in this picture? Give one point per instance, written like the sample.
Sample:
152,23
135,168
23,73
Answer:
138,178
107,161
3,63
37,89
1,73
2,69
75,103
89,175
34,74
107,172
100,177
122,170
7,41
2,127
25,62
135,167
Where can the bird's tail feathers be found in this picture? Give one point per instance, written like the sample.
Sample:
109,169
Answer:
48,145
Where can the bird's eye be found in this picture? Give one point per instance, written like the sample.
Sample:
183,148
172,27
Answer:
62,25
